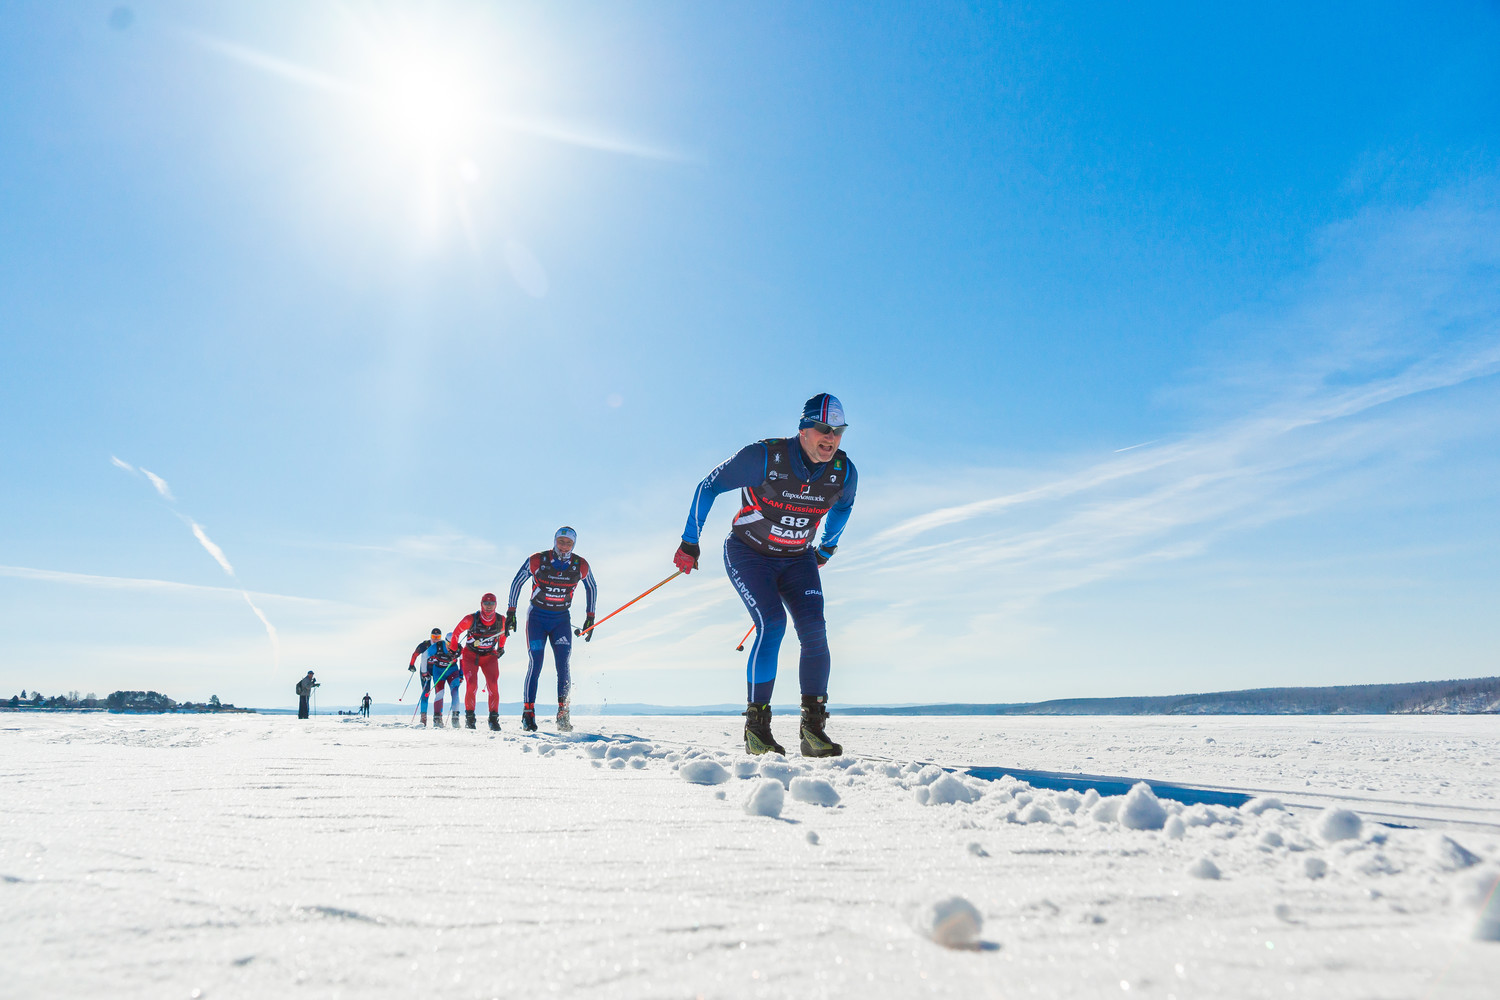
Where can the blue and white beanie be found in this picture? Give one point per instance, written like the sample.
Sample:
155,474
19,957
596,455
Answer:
823,408
565,532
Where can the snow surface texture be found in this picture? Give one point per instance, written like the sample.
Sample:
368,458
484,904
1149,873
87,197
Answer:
258,855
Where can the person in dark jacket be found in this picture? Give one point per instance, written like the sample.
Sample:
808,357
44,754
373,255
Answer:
304,692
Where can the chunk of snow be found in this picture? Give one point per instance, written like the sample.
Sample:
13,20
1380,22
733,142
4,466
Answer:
818,791
953,922
1203,868
1450,855
1107,809
780,770
638,762
1141,809
596,749
628,750
978,850
1269,840
812,837
1174,827
1314,866
618,763
928,775
1069,801
746,768
1338,824
1036,814
703,772
1260,804
947,790
1090,799
1480,891
766,798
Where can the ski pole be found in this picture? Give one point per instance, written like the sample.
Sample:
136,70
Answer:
581,631
741,647
408,685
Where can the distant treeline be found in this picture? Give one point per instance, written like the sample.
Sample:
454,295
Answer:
1462,697
119,701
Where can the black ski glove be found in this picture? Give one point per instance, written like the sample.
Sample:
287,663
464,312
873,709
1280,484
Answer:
588,628
412,668
825,553
510,620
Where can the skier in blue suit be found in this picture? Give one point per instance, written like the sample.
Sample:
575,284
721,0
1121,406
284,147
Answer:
555,574
788,486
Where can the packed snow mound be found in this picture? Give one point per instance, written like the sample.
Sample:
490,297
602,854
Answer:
945,791
1203,868
746,768
1035,813
1174,828
952,922
1450,855
1107,809
628,750
1142,810
1339,824
818,791
1314,867
703,772
766,798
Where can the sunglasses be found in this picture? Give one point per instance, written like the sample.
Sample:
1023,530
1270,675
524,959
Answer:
827,429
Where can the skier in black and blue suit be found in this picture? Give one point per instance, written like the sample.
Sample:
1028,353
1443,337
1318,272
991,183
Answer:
787,487
555,574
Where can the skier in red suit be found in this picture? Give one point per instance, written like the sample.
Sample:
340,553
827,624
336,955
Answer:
483,648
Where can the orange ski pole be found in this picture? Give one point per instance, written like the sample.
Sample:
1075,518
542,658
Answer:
741,647
581,631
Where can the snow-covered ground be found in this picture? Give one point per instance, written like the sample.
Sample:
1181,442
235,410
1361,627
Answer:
240,856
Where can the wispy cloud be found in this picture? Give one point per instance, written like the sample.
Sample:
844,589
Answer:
148,584
1339,410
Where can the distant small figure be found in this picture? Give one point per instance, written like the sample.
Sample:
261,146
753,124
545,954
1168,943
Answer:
364,705
304,692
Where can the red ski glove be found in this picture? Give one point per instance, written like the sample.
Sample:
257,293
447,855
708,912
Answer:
686,557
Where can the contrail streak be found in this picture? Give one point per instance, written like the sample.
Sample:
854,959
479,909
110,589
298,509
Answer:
211,548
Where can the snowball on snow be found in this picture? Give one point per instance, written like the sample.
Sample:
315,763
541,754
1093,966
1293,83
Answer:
812,837
1174,828
1141,809
1314,867
1269,840
703,772
1203,868
746,768
951,922
766,798
947,790
628,750
1450,855
618,763
977,849
1339,824
817,791
596,749
1260,804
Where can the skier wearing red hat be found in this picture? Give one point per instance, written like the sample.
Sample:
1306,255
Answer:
483,647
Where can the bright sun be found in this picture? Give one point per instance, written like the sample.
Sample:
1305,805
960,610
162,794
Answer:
424,104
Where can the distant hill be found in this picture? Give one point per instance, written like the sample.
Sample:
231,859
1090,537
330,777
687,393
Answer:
1475,696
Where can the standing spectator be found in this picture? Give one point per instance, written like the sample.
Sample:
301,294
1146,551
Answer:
304,692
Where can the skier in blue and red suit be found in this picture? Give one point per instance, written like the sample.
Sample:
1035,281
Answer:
439,666
555,574
787,487
484,644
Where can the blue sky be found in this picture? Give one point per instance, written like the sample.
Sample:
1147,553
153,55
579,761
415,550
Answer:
1168,334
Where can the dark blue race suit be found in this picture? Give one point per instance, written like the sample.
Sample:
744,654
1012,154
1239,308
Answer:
769,553
553,579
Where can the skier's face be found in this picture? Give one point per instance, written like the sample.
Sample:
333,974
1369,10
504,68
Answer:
820,444
563,544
